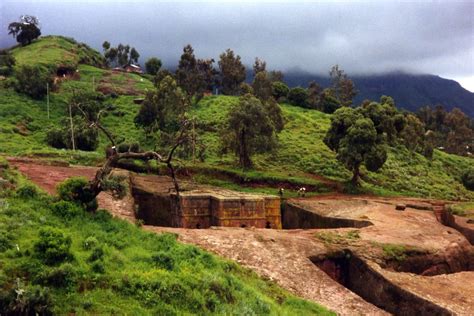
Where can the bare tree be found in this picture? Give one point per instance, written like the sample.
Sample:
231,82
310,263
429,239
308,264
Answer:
96,185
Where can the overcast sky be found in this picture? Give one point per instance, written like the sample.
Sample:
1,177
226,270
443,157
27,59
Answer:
435,37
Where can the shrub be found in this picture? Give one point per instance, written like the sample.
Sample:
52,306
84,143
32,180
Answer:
90,242
32,80
28,300
64,276
66,209
280,90
27,191
52,246
298,96
125,147
163,260
97,254
73,189
468,179
7,61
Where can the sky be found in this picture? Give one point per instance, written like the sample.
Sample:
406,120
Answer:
429,37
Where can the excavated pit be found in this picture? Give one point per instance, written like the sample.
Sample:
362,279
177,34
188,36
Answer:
294,216
361,278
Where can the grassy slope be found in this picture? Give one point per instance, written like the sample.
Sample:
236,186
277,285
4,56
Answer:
54,51
128,279
301,155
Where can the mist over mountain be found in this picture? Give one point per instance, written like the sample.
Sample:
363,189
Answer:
410,91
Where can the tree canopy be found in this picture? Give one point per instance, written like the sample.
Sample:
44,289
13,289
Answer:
356,142
249,130
232,72
153,65
26,30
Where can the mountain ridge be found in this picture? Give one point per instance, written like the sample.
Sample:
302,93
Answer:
410,91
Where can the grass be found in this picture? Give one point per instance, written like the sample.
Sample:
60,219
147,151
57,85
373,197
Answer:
463,209
329,237
113,267
54,51
302,159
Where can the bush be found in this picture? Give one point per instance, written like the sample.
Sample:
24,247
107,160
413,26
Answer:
52,246
7,61
28,300
85,138
163,260
90,242
27,191
66,209
73,190
32,80
468,179
298,96
64,276
280,90
125,147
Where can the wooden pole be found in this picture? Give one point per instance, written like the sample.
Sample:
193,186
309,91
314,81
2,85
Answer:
47,98
72,128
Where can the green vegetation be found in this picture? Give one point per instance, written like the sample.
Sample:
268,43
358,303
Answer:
463,209
338,238
55,51
301,154
57,258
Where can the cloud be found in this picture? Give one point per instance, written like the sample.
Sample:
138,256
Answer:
425,37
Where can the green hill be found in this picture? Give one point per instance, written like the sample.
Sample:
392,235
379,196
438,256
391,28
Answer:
56,51
302,158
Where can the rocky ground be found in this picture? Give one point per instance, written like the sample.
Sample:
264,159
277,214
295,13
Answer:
283,255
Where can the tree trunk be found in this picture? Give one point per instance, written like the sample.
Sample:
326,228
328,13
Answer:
244,159
355,176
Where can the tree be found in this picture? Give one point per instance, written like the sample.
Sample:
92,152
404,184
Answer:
259,66
275,75
163,108
467,179
328,103
355,141
87,107
387,120
33,79
280,90
342,87
232,72
248,130
105,46
413,134
26,30
134,55
461,135
314,96
7,62
298,96
187,72
262,86
274,114
152,66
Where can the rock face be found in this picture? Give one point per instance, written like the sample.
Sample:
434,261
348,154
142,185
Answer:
295,215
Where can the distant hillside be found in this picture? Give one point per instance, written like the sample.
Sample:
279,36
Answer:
409,91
